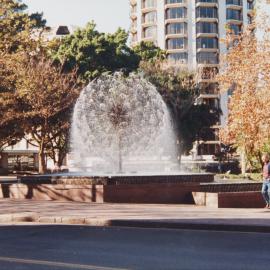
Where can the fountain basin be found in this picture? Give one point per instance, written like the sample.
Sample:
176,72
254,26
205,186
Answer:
122,188
118,179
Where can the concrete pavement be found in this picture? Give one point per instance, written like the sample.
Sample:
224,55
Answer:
134,215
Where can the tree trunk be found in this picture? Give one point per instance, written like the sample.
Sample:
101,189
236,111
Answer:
243,162
120,166
42,167
61,157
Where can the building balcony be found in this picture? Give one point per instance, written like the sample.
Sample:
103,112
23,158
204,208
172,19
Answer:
179,35
207,19
211,35
147,24
214,50
206,4
177,50
175,5
153,39
235,7
234,21
176,20
148,9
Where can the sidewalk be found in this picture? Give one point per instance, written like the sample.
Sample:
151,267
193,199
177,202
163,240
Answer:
134,215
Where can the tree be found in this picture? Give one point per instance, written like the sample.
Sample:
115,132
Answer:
46,97
16,29
246,73
94,53
10,130
149,52
16,26
179,90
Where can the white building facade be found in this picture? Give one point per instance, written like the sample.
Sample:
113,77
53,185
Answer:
193,33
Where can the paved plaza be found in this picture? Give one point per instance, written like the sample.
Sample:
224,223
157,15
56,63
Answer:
134,215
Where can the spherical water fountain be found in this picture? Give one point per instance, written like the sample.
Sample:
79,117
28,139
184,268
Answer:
123,148
118,119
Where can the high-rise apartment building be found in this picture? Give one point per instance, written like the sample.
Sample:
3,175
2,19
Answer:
192,32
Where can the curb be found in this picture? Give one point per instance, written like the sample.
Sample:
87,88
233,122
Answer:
18,217
150,224
190,226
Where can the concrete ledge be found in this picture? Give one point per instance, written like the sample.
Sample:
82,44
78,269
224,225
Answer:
248,199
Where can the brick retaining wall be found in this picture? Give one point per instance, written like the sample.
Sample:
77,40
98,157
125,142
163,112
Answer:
147,193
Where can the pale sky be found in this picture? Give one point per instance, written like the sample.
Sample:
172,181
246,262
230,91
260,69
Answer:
107,14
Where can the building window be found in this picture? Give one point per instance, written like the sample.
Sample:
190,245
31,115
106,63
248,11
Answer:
236,28
234,2
206,1
207,58
178,57
176,28
207,27
250,5
21,162
150,17
206,12
176,43
149,32
208,149
133,9
175,1
207,43
175,13
149,3
233,14
209,88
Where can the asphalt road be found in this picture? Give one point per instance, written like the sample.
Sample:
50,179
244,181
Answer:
75,247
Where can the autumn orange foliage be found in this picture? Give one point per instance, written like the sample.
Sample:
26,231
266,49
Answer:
245,72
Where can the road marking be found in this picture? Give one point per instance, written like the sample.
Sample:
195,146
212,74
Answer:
57,264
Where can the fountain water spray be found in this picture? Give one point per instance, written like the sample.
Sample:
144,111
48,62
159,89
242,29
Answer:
117,118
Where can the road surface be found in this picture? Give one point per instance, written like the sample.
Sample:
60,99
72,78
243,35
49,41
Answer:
39,247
